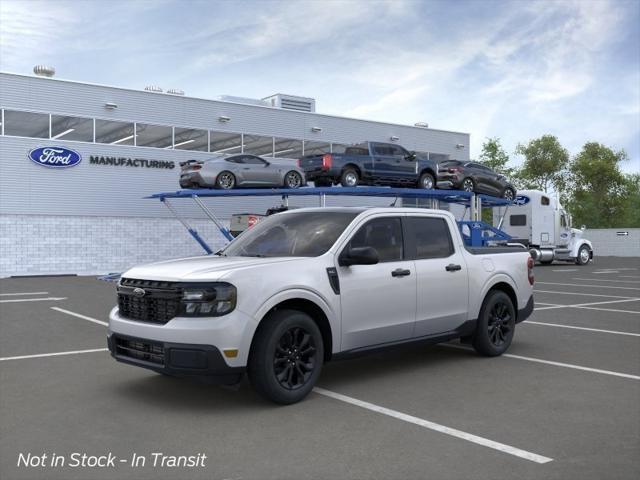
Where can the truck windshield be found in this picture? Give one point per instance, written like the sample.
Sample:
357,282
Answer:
303,234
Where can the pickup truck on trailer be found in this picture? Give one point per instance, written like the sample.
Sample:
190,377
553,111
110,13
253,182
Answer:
306,286
371,163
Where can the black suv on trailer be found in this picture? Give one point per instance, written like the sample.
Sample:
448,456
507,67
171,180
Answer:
371,163
474,177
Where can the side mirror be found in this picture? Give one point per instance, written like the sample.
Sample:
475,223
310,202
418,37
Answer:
411,156
359,256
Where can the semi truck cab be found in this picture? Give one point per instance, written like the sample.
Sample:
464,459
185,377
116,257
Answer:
538,221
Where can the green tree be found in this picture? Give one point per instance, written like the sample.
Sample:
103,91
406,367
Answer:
545,164
630,216
495,157
599,191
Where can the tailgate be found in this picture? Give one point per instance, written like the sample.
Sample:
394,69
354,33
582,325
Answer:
311,162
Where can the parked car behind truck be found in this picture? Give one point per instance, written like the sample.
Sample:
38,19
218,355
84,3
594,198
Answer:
371,163
307,286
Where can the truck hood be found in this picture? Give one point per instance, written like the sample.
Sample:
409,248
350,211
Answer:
202,268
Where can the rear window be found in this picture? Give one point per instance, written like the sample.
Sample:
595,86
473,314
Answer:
356,151
450,163
431,236
518,220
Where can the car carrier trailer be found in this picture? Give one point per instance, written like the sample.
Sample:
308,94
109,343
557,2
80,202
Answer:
475,232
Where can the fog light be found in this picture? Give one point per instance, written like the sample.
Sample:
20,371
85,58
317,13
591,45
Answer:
230,352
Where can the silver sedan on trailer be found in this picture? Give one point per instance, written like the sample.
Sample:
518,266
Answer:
244,170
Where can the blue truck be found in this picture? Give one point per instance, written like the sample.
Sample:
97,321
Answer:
371,163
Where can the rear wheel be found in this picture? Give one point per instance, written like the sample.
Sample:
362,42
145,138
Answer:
349,178
286,356
426,181
226,180
293,179
584,255
468,185
496,325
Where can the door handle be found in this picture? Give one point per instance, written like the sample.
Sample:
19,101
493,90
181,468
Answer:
247,168
400,272
452,268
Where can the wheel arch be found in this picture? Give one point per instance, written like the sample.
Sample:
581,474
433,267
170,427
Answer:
354,166
305,302
430,171
501,283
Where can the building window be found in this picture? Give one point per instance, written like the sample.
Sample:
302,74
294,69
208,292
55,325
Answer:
114,133
258,145
191,139
287,148
316,148
26,124
71,128
225,143
157,136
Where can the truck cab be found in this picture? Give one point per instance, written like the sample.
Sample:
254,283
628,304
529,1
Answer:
538,221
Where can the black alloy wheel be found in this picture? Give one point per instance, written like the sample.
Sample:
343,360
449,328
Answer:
496,324
293,179
295,358
286,356
468,185
226,180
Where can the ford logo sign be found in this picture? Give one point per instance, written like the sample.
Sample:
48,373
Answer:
139,292
521,200
55,157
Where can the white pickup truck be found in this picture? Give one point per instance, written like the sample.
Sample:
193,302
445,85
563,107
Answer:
306,286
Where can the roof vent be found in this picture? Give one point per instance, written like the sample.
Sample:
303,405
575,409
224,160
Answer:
421,125
44,71
153,88
292,102
175,91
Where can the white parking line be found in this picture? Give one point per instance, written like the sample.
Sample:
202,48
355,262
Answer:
557,364
485,442
591,286
607,280
566,270
580,294
23,293
597,330
611,310
47,299
57,354
606,272
84,317
588,305
629,276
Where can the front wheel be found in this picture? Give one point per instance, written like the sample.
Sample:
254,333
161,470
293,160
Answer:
286,357
496,325
584,255
468,185
293,179
508,194
426,181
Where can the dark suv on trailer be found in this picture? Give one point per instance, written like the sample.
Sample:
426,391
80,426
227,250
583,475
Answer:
474,177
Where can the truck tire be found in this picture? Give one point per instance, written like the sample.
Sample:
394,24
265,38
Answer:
349,178
286,356
496,324
225,180
584,255
427,181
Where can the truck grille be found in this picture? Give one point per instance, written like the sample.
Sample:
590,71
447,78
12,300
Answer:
140,350
148,300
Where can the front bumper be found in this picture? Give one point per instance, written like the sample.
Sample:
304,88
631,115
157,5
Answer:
525,312
200,362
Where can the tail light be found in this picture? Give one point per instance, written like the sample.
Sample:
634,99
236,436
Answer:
299,162
327,161
195,167
251,221
530,270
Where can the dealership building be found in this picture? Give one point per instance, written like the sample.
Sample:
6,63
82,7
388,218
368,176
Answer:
91,217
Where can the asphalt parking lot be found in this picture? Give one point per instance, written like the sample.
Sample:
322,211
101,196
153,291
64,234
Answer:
564,403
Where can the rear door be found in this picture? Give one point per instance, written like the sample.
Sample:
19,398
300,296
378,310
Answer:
441,275
378,302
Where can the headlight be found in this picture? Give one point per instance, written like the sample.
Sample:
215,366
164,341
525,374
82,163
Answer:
208,300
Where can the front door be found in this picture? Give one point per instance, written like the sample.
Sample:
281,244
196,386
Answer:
378,301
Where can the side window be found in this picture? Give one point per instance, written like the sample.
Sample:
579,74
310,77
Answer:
398,151
432,237
383,234
236,159
518,220
544,200
252,160
380,149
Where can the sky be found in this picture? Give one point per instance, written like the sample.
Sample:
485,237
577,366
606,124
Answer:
509,69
